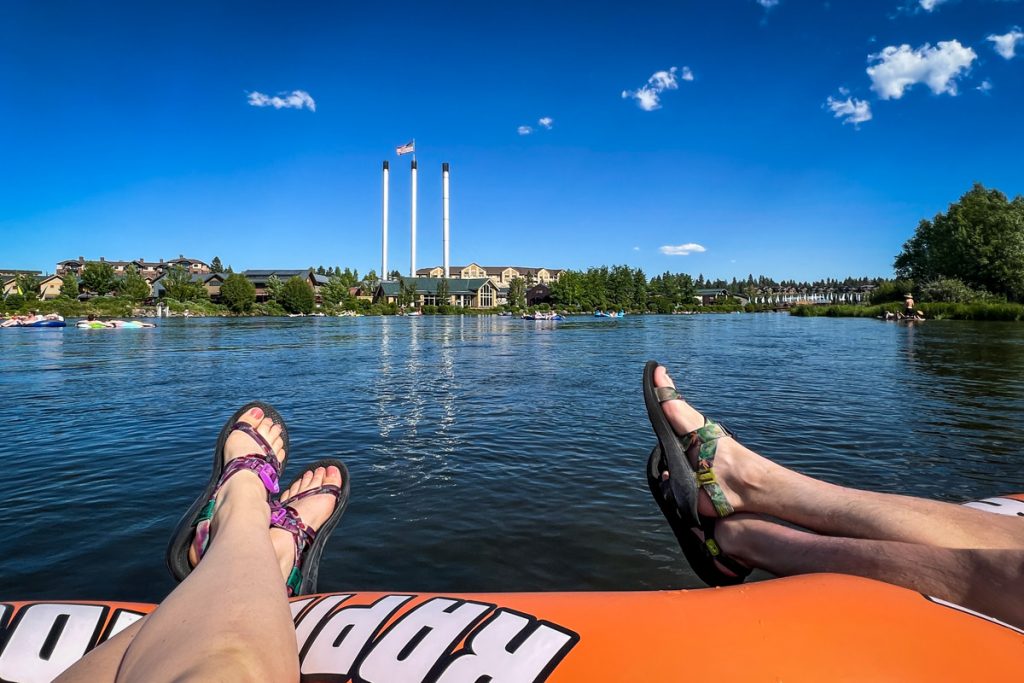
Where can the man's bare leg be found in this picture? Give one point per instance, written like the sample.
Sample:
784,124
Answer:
985,580
753,483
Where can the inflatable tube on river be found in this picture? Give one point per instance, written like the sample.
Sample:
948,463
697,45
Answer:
814,628
43,323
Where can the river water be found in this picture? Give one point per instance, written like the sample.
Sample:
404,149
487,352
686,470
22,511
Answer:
486,453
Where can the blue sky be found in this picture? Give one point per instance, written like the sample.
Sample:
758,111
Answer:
131,130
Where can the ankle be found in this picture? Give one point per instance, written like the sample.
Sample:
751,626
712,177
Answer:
243,492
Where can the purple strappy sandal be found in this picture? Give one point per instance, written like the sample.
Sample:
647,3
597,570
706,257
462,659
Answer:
309,543
193,528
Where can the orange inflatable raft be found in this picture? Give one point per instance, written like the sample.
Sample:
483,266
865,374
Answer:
812,628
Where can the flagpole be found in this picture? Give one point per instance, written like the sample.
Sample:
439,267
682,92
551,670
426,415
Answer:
412,250
384,225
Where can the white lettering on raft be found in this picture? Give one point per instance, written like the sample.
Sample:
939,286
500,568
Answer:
337,641
45,639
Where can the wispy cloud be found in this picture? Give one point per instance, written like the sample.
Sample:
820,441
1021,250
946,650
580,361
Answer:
895,69
546,122
850,109
296,99
929,5
767,4
636,248
1006,44
524,130
682,249
648,96
985,87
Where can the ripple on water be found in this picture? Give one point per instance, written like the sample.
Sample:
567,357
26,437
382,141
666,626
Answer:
485,453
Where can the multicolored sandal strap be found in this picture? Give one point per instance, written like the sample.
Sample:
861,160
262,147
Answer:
664,394
705,440
287,518
267,469
251,432
711,547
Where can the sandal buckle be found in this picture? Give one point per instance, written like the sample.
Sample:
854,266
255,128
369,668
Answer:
277,515
268,475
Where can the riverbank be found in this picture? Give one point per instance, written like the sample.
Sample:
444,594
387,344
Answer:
121,307
932,311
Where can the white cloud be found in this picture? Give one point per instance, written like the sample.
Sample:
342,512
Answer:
682,249
929,5
648,96
1006,44
850,110
296,99
546,122
524,130
768,4
985,87
636,248
895,69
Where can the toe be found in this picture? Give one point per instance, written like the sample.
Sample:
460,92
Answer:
252,417
681,415
318,477
333,476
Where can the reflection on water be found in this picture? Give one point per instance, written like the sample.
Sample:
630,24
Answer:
486,453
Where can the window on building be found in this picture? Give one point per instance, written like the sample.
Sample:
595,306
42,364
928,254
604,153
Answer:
486,297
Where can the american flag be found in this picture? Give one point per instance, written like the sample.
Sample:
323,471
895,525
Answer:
407,148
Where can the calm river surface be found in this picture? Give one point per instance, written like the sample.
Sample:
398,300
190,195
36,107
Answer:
486,453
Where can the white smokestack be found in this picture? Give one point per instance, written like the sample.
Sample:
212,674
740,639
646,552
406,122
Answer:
444,216
412,265
384,244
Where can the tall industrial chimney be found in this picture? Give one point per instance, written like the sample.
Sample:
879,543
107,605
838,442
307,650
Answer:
412,264
384,241
444,216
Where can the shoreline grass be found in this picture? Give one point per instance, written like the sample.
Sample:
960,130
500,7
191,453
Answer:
932,311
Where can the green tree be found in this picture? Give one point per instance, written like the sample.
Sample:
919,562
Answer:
443,292
14,302
274,287
69,286
336,289
406,292
179,285
517,293
979,241
28,286
133,286
216,266
297,296
98,277
238,293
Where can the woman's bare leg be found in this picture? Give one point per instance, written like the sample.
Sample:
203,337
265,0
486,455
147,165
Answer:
755,484
230,618
985,580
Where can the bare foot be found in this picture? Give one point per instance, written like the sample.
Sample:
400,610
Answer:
741,472
728,535
240,444
314,511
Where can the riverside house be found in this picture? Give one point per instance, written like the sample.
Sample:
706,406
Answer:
211,283
259,279
48,285
151,270
500,275
478,292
